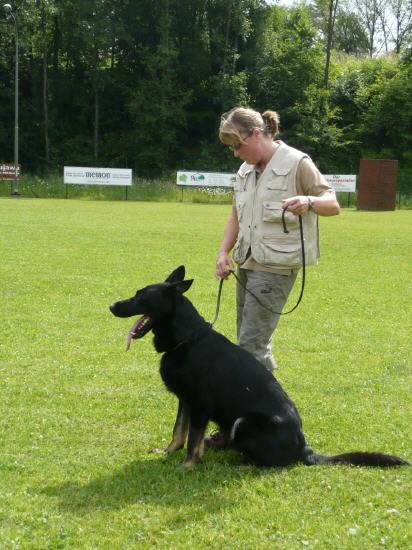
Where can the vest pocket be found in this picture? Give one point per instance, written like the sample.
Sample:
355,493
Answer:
282,254
236,252
240,207
239,250
272,213
279,179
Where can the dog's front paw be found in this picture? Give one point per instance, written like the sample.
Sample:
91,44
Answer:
174,446
156,451
189,463
171,448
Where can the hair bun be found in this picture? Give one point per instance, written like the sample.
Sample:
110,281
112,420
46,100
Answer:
271,120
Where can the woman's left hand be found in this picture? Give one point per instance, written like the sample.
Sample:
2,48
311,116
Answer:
297,205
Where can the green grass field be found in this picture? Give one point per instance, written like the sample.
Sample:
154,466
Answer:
78,415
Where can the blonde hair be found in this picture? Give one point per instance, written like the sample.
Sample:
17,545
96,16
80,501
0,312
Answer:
237,124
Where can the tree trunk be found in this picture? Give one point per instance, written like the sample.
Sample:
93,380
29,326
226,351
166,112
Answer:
227,35
46,112
96,124
333,6
43,28
56,44
166,25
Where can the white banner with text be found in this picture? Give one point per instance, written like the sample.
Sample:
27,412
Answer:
8,171
341,183
97,176
205,179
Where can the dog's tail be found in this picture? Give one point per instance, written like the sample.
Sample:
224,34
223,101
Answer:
357,458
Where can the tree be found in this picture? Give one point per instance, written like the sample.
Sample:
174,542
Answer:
324,13
370,13
402,22
317,132
7,49
289,59
387,123
45,9
350,36
143,83
373,96
332,9
96,57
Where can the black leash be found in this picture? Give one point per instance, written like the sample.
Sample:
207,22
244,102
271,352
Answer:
219,295
285,230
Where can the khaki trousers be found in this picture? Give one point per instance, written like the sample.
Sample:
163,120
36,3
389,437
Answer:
255,325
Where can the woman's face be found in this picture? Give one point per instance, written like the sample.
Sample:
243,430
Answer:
252,150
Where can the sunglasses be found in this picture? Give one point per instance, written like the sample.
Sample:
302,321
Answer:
237,146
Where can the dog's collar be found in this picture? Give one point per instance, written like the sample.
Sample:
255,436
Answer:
193,338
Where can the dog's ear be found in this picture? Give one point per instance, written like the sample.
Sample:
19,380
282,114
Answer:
177,275
182,286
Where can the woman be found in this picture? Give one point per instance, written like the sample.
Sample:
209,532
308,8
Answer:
273,177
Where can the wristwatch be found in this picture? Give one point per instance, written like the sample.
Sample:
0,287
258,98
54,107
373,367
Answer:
311,204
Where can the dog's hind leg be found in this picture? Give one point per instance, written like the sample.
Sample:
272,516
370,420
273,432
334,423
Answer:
268,441
180,429
195,442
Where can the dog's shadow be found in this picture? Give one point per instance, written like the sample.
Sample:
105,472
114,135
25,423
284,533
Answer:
158,481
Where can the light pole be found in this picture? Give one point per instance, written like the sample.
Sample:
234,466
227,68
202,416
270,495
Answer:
15,192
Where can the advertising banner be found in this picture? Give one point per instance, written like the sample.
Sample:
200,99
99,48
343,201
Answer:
205,179
342,183
8,171
97,176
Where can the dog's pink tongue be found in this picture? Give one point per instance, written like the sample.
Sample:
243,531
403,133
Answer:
133,330
131,333
129,339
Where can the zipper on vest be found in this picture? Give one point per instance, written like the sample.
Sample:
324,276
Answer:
252,221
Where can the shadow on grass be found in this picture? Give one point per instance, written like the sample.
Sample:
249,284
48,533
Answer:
163,482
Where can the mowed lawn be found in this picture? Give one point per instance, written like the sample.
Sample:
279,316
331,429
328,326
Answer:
78,415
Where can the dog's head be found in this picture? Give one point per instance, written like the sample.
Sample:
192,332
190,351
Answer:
153,302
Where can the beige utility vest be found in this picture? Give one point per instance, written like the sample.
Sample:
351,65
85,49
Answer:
259,213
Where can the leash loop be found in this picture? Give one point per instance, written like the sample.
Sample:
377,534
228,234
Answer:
285,230
303,273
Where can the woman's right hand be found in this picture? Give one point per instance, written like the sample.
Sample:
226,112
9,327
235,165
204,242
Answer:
224,265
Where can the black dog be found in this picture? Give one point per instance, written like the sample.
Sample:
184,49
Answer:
217,380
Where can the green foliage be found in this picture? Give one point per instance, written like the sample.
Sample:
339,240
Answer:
389,119
143,84
289,60
373,97
150,143
78,415
350,36
230,90
316,130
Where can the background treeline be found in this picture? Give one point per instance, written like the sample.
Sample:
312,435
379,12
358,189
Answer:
142,83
